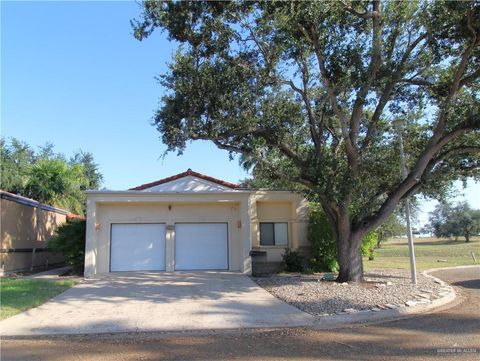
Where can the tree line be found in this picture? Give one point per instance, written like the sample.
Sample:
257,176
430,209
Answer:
48,176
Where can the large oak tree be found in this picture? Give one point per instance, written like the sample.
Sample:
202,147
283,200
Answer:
308,92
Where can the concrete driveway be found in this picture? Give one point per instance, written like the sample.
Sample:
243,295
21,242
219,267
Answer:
154,301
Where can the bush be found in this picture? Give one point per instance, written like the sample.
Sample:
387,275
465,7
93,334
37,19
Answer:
324,245
322,239
292,261
69,239
368,245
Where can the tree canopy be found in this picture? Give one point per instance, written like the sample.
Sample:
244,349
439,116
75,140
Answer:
460,220
308,93
47,176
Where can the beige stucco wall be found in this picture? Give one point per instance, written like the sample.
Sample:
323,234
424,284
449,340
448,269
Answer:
241,210
160,213
26,227
274,207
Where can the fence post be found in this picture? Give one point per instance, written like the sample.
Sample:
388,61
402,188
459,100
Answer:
33,258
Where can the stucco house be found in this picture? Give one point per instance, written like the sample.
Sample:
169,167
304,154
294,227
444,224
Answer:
190,221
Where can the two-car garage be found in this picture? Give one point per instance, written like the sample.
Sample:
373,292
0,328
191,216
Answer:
142,246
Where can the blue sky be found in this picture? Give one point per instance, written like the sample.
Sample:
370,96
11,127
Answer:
73,75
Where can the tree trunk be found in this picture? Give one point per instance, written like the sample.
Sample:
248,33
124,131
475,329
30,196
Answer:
467,237
349,257
379,242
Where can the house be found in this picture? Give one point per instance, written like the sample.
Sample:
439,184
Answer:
26,226
190,221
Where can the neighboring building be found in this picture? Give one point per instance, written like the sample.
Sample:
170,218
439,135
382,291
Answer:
26,225
190,222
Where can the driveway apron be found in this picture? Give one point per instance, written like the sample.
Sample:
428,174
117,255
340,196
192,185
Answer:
156,301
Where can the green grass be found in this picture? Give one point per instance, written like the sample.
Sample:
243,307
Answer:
20,294
428,252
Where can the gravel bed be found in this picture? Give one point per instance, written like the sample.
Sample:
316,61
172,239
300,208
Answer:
382,289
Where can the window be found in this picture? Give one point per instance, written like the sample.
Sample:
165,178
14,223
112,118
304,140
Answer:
273,234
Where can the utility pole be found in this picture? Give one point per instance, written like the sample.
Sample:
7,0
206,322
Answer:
403,171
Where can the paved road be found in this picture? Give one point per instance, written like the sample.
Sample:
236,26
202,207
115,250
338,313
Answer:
451,333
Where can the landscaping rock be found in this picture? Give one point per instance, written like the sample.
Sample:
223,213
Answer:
320,298
411,303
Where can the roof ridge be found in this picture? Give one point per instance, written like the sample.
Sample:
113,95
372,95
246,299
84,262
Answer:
188,172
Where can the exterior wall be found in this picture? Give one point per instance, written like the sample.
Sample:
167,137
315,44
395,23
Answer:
102,211
242,210
25,230
286,207
188,184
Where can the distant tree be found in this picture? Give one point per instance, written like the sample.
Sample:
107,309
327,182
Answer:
460,220
394,226
307,92
57,183
46,176
16,159
95,178
47,152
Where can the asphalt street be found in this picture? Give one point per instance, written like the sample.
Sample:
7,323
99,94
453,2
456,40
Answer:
452,332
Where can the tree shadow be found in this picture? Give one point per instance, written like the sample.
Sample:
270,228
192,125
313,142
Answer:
473,284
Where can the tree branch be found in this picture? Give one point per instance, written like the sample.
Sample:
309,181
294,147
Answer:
455,84
387,91
373,67
351,10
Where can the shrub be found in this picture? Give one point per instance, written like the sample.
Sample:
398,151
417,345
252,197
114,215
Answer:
69,239
368,245
292,261
324,245
322,239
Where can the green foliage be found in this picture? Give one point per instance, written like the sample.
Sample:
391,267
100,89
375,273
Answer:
292,261
47,176
369,242
16,159
307,93
59,183
69,239
460,220
322,241
90,168
392,227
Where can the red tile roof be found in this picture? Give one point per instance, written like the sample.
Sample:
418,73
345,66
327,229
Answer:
187,173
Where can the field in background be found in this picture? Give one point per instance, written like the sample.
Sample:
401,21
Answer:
430,252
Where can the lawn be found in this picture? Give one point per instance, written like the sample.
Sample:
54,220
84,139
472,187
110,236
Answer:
429,253
20,294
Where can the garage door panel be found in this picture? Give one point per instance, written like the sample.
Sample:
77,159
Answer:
201,246
138,247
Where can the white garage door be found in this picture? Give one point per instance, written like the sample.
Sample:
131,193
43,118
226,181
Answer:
137,247
201,246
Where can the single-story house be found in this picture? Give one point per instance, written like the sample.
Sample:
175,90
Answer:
190,221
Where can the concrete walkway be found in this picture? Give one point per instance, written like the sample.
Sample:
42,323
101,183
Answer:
151,301
50,274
